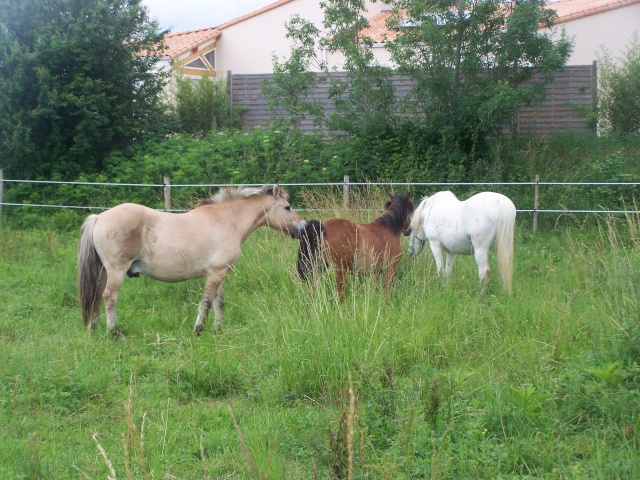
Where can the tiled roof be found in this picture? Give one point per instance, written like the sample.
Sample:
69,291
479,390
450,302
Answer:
179,43
378,31
567,10
182,42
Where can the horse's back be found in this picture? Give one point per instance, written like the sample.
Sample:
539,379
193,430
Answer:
491,205
124,220
484,214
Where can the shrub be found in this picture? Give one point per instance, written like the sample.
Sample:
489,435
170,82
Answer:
619,90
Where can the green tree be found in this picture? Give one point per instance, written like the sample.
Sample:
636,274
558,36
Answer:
619,90
473,64
289,92
203,106
364,99
77,81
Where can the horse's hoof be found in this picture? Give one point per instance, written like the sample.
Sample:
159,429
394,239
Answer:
117,334
199,329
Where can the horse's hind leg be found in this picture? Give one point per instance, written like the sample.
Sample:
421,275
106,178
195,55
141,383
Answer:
110,297
95,312
482,261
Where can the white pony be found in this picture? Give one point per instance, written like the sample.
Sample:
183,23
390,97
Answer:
466,228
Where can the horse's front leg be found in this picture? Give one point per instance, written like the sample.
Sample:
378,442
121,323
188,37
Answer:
389,274
218,306
341,274
448,268
436,249
212,290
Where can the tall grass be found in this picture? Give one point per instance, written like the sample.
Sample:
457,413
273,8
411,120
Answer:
431,381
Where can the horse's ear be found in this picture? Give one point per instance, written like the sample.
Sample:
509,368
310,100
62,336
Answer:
275,190
409,196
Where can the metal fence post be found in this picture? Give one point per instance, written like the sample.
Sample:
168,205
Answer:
345,192
1,185
167,193
536,199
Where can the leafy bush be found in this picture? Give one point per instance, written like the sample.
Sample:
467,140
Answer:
619,90
203,106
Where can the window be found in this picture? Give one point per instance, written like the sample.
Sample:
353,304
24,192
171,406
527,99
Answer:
197,63
210,57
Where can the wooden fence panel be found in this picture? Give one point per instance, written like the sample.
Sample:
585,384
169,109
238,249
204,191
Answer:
571,94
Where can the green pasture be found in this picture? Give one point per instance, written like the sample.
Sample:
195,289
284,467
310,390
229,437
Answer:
430,382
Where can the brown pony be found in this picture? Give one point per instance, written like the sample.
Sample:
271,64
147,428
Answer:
371,248
132,239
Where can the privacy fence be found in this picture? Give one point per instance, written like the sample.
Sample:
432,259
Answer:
532,198
568,98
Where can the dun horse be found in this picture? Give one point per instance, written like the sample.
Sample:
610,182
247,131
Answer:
372,248
132,239
466,228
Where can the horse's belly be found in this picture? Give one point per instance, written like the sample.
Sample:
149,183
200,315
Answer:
362,267
459,246
364,264
165,272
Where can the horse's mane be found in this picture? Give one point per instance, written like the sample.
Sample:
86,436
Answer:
396,213
229,194
416,221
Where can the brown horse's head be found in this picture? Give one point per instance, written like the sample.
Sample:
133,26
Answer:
397,214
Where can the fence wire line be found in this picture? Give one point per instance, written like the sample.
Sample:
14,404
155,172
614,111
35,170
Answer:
325,184
633,212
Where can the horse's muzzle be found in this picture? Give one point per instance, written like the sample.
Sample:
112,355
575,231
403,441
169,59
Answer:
407,232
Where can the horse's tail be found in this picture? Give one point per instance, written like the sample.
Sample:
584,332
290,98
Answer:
309,252
504,244
90,271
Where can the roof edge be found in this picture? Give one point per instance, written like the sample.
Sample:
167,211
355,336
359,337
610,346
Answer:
587,12
246,16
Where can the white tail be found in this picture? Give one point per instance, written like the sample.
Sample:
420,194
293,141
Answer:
504,244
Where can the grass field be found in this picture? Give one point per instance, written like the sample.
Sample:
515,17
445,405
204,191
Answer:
430,382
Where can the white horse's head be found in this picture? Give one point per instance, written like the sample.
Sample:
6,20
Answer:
417,238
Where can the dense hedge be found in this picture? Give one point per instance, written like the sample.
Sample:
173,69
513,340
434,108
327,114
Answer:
280,156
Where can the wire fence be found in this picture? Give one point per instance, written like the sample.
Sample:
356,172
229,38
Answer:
165,189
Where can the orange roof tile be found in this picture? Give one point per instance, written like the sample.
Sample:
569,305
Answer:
179,43
182,42
568,10
378,31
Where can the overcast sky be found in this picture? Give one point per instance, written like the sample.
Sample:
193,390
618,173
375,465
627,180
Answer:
177,15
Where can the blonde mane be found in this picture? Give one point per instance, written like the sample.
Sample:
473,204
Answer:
416,220
229,194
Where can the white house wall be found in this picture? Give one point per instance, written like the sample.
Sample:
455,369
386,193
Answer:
612,29
248,46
